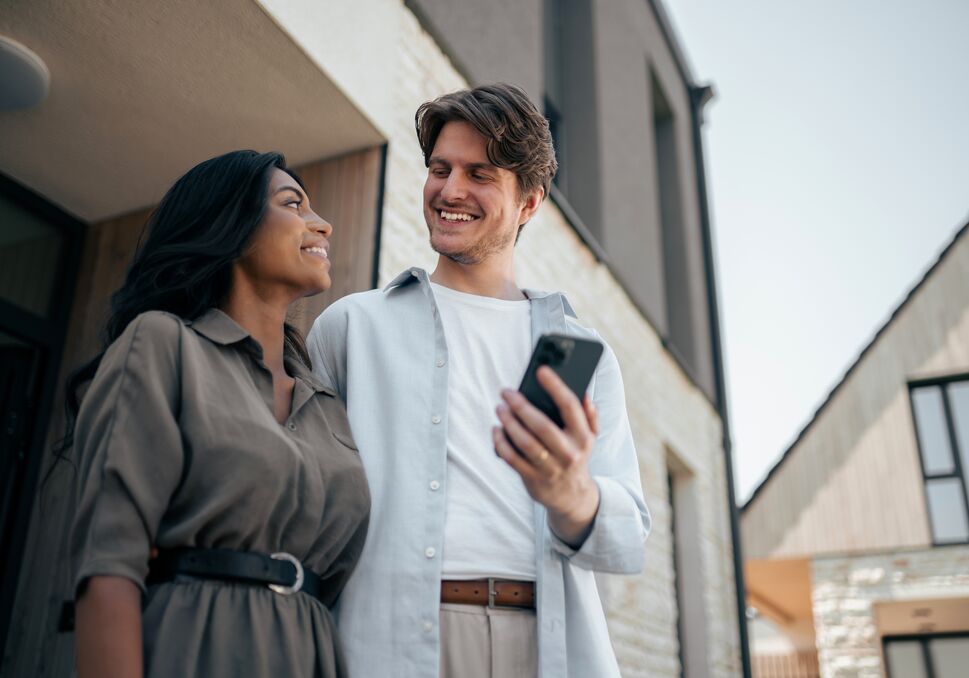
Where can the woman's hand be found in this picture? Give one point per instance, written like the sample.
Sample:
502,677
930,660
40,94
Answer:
108,622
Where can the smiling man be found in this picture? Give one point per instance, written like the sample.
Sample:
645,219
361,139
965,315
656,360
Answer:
488,520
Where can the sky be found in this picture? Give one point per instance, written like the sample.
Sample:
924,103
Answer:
837,153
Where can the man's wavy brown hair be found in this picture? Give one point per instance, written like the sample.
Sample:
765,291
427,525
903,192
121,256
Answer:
518,136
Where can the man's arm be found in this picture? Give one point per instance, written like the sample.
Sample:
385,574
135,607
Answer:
586,474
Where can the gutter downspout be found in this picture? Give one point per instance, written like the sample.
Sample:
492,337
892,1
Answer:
699,96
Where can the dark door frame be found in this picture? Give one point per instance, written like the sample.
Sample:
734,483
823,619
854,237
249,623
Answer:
48,335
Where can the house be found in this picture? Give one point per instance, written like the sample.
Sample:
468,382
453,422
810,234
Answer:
856,544
139,92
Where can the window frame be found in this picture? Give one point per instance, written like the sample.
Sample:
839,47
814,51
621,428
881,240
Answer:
923,639
958,472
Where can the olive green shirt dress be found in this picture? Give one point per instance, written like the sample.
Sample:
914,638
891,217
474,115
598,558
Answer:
178,447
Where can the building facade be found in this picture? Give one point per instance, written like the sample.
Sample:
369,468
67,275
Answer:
856,544
141,93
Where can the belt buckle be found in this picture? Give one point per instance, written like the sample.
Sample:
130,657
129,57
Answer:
296,585
492,594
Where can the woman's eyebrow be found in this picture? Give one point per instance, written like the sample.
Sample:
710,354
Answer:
290,188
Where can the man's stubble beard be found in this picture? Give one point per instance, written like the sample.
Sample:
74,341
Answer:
479,250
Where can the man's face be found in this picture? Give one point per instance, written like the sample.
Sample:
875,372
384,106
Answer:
472,208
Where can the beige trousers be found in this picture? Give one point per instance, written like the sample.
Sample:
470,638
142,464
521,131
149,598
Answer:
478,642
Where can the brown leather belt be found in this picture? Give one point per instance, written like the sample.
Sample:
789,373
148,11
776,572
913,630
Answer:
494,593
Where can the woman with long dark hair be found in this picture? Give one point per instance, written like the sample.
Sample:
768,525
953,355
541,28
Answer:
222,504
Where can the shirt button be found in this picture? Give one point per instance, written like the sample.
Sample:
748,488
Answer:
430,552
292,426
440,362
435,485
428,627
436,419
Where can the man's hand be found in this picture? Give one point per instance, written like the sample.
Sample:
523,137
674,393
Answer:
554,462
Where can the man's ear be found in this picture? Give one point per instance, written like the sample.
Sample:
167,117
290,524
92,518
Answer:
533,200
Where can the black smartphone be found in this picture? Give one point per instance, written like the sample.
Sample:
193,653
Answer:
574,360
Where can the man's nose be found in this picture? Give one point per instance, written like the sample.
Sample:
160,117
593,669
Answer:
455,188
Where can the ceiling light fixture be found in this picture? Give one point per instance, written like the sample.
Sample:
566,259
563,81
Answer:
24,78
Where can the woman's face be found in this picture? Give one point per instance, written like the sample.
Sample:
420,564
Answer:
290,248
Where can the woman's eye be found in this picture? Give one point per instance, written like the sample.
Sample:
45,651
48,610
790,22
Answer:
294,203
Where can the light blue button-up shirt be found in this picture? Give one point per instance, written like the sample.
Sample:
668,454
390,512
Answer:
384,351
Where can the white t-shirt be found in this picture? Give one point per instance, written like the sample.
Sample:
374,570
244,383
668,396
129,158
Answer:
489,523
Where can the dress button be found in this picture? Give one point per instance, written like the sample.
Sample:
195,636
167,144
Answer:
435,485
436,419
440,362
430,552
428,627
292,426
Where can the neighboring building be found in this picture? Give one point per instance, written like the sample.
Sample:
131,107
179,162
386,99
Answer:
143,91
856,544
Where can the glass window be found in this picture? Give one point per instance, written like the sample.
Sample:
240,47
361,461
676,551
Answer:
933,432
905,659
30,254
959,404
941,411
950,656
947,509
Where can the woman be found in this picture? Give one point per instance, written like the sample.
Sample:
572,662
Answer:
222,504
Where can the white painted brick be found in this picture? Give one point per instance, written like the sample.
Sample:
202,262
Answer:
845,591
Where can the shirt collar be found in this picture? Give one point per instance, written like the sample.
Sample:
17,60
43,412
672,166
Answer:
415,274
217,326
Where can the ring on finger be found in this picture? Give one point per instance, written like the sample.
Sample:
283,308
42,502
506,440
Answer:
543,457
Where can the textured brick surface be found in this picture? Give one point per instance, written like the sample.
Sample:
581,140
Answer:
667,411
845,591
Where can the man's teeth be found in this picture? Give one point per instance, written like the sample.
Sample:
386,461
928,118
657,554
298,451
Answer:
456,216
316,250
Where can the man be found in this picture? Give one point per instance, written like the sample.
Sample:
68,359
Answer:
487,519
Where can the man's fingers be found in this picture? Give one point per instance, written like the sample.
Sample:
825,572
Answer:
523,439
505,450
592,414
569,406
548,435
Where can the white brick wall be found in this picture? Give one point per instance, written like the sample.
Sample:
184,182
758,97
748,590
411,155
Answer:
666,410
845,591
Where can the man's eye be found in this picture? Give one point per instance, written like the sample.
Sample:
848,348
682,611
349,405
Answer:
440,172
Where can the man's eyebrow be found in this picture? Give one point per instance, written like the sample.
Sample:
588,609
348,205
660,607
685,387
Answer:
471,165
290,188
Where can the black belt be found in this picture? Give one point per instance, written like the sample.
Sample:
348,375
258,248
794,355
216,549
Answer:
281,572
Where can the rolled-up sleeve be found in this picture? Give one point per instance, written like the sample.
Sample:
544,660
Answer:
130,451
622,522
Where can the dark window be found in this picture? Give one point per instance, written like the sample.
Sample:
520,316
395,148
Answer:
941,411
928,656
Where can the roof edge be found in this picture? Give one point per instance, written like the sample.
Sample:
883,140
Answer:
960,233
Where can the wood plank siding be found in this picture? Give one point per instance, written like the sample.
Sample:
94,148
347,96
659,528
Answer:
852,481
345,191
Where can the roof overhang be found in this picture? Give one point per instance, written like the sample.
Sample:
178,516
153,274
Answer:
142,91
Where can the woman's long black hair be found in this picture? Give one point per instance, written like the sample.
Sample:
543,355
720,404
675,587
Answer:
184,264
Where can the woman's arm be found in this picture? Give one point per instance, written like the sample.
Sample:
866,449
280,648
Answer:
108,622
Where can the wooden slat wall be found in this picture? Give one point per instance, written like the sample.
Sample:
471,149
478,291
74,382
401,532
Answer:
344,191
795,665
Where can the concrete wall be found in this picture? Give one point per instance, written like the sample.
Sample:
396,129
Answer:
668,412
853,481
847,591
